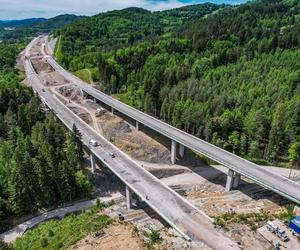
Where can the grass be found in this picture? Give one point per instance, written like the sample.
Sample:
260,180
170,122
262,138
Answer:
253,220
84,75
57,49
154,238
60,234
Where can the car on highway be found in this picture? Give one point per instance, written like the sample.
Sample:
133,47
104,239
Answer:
112,155
93,143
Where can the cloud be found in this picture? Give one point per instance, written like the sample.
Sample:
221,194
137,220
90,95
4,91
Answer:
18,9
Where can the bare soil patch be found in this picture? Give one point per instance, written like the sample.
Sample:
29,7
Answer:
82,114
135,143
116,236
247,238
52,79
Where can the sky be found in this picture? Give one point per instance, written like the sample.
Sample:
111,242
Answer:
20,9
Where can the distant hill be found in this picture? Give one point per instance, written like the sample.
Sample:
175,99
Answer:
55,22
119,28
16,30
18,23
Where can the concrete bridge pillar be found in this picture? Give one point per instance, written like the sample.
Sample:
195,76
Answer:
112,110
93,163
181,151
128,197
229,182
137,125
173,151
95,100
236,181
233,180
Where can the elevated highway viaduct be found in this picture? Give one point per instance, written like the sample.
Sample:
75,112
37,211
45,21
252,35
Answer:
189,221
236,165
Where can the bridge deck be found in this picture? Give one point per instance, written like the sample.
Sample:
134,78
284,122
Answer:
177,211
260,175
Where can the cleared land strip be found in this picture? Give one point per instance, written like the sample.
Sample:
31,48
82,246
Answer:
260,175
174,209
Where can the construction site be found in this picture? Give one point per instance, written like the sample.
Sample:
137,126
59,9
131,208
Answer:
199,181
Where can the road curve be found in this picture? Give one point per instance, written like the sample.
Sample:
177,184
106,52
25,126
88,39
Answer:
177,211
261,175
11,235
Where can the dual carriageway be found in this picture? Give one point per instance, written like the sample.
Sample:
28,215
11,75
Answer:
192,223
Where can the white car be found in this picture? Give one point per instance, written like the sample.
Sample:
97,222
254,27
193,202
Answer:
93,143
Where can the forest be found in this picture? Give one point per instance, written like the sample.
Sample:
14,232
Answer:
40,162
227,74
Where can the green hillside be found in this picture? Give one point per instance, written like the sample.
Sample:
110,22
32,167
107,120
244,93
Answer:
115,29
231,77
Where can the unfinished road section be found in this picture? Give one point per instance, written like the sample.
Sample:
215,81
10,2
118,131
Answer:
189,221
236,165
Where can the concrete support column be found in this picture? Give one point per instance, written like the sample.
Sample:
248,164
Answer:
173,151
128,197
181,151
112,110
95,100
233,180
229,182
236,181
93,163
137,125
